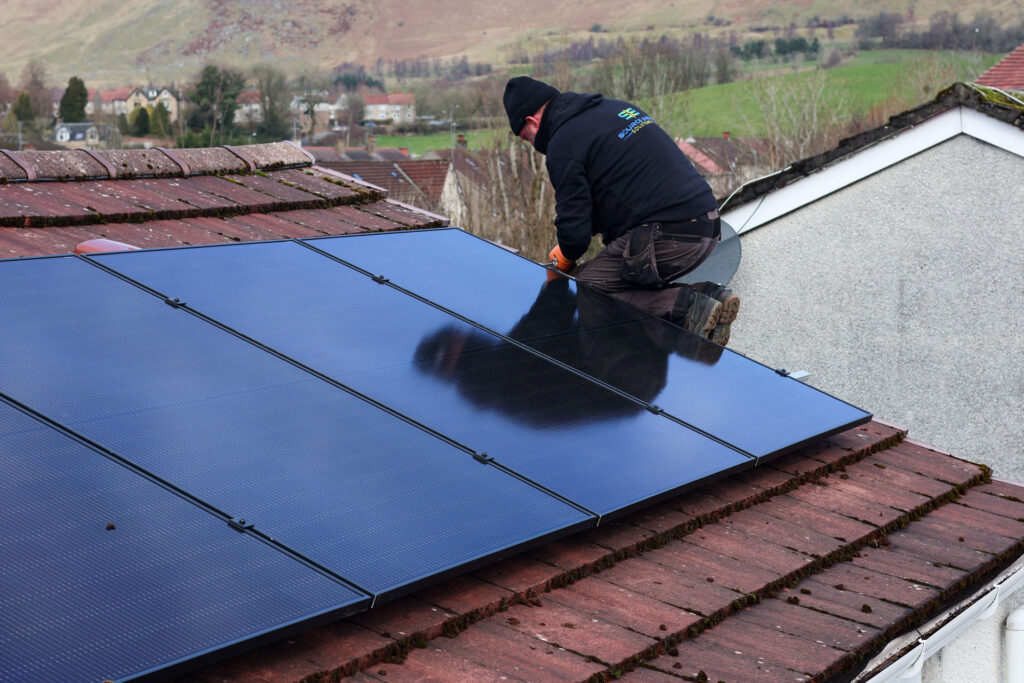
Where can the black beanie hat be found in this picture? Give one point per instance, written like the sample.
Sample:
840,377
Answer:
524,96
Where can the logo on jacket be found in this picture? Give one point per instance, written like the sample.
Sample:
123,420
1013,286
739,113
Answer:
635,126
629,113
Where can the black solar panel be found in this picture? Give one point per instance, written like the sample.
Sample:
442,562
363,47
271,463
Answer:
363,437
518,407
713,389
346,484
105,575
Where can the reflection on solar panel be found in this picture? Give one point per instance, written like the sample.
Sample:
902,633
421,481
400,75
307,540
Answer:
366,438
721,393
470,385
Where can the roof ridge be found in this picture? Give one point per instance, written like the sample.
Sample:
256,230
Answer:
156,162
88,204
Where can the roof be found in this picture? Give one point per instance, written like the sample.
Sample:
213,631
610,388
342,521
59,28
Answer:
704,164
721,155
800,569
420,180
51,201
400,98
1007,74
248,96
116,94
990,104
327,154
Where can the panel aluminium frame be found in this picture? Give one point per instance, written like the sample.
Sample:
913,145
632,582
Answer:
714,390
610,453
339,480
108,574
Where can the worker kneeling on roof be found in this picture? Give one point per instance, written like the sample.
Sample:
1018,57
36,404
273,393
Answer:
618,174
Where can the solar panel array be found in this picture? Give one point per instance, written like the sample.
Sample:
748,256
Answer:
219,445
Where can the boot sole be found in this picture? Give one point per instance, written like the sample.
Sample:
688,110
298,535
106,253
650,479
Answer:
730,309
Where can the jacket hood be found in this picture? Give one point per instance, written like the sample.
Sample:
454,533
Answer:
559,110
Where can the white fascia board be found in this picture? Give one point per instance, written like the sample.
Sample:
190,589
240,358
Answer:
993,131
866,162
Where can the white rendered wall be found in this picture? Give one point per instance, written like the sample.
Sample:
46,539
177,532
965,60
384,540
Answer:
904,294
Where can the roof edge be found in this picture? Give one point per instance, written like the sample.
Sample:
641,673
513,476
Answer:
991,102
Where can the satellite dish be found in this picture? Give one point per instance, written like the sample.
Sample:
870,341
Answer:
723,262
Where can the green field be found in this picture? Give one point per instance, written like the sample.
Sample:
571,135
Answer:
873,78
865,82
420,144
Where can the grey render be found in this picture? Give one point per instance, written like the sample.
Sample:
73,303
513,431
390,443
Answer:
903,293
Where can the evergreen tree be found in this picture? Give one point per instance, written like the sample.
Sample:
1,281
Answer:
140,124
72,103
159,120
23,109
214,101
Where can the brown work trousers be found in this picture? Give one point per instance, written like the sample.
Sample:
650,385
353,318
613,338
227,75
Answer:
674,257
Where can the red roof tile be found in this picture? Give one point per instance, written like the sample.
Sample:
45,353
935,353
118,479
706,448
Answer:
1007,74
159,198
416,181
764,579
399,98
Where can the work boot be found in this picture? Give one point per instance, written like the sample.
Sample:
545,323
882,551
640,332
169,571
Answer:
730,302
696,312
720,335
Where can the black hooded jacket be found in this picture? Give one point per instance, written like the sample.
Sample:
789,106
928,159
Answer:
613,168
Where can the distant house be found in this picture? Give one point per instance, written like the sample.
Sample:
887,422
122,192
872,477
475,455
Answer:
80,134
420,182
727,162
151,96
111,102
250,108
394,107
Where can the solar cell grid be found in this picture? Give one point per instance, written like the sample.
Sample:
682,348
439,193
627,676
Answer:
495,397
369,496
105,575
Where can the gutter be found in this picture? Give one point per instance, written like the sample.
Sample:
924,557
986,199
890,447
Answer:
904,657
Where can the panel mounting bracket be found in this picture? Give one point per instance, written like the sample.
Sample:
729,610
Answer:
240,524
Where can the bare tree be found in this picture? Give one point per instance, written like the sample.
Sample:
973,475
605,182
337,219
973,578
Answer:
510,199
33,81
7,93
799,115
275,99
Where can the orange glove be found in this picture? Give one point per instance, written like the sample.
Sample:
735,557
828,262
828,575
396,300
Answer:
562,263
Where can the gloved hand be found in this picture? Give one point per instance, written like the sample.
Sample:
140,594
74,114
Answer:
562,263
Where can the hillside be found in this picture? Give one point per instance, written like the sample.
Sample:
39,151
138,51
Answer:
111,42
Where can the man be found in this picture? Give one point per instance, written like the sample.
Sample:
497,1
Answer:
619,175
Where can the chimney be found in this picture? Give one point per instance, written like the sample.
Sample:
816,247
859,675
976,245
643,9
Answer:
460,141
371,144
404,150
725,134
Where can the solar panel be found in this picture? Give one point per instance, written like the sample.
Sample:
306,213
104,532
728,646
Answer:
724,394
348,485
366,429
518,407
105,575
